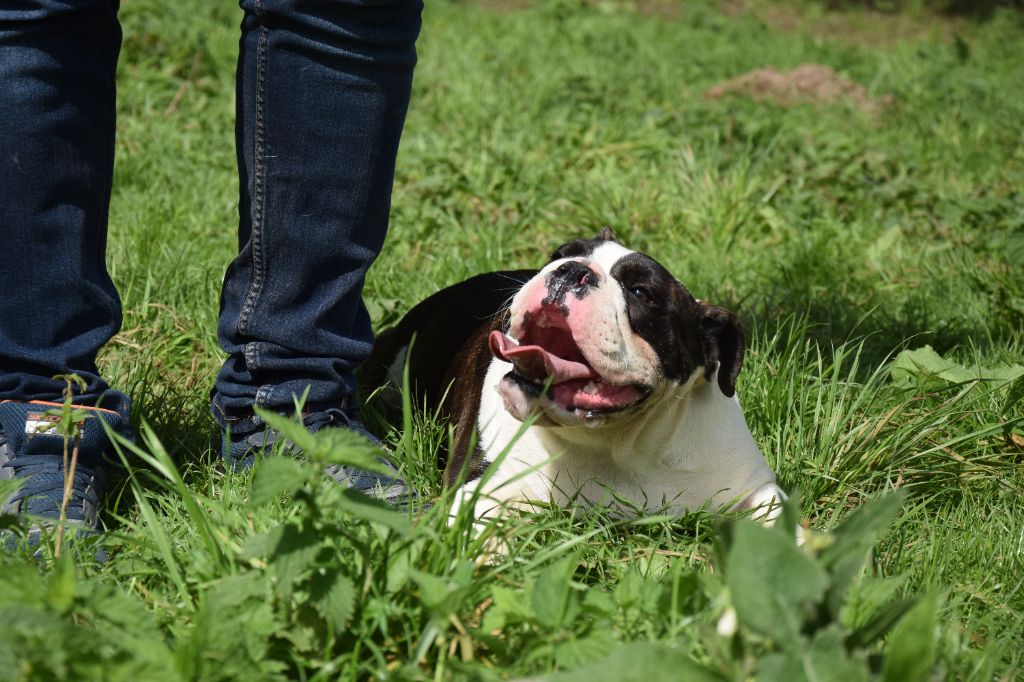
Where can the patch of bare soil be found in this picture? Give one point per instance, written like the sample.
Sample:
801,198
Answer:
669,10
806,84
503,6
860,26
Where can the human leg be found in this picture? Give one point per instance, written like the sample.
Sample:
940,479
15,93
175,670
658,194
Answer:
323,89
57,302
58,307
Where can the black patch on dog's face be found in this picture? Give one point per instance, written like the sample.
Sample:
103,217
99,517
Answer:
582,247
661,312
530,389
573,277
685,334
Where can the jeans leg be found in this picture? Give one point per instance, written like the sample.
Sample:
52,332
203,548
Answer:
57,302
322,92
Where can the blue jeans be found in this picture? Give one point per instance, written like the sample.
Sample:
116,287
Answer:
322,92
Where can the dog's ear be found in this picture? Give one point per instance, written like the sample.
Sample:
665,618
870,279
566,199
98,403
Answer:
721,338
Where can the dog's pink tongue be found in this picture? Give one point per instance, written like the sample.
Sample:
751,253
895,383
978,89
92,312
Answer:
536,363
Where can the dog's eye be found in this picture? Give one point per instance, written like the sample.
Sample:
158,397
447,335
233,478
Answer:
643,294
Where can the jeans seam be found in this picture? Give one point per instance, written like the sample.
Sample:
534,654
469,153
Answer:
263,395
251,351
259,189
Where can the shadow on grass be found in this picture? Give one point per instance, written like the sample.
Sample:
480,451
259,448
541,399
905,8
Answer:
957,305
834,320
180,418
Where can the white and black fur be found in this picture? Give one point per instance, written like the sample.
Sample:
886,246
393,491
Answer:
643,409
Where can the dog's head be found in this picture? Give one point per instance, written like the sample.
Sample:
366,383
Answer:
601,329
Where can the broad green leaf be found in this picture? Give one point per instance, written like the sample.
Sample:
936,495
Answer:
579,651
910,651
790,518
784,666
628,589
880,623
334,596
923,364
400,565
877,253
830,662
852,541
347,448
443,594
61,590
37,640
433,589
823,660
294,554
328,445
681,592
234,590
598,602
639,662
231,631
276,476
300,637
866,597
124,625
771,581
512,602
494,619
369,509
289,427
261,545
19,583
551,593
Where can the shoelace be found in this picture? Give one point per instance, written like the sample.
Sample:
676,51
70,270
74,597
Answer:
44,486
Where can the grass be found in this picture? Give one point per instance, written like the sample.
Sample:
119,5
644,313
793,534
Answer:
841,238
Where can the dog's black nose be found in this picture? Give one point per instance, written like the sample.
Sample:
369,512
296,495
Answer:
576,272
573,276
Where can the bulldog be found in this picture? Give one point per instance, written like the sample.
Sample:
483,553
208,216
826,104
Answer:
599,380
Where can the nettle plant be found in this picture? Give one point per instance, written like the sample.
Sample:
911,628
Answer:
784,610
296,576
808,612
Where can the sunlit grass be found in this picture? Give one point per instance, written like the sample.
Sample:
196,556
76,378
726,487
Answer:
841,239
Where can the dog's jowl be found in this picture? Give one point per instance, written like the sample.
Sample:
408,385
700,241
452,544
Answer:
627,381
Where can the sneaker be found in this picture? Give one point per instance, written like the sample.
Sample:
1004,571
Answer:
33,451
240,452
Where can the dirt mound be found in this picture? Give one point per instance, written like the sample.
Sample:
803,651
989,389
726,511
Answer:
806,84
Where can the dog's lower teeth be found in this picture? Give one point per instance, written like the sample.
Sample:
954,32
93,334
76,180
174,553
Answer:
591,388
